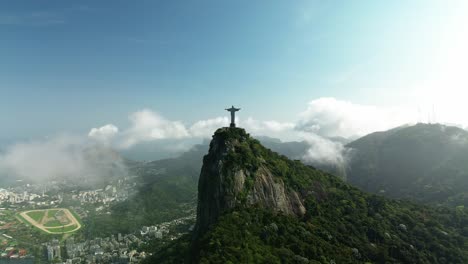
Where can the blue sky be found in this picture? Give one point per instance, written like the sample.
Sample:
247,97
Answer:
69,66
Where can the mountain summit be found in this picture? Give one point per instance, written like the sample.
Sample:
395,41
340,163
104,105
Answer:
424,162
236,172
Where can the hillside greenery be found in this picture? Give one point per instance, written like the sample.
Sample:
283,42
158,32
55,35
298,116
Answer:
167,189
425,163
342,223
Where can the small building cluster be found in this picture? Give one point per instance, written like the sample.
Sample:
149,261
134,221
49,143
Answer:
14,197
53,250
110,249
101,196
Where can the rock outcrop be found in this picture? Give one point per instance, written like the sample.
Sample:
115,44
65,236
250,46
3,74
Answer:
235,174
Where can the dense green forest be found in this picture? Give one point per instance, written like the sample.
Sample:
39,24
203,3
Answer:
167,189
256,235
342,224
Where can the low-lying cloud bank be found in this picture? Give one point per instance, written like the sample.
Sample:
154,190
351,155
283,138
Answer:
146,126
91,157
62,157
324,151
330,117
323,118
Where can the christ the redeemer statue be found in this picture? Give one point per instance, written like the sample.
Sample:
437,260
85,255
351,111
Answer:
233,111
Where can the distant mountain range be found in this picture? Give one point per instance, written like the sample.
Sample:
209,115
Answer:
425,162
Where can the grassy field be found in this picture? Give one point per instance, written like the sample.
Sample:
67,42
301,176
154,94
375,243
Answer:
51,213
36,215
52,221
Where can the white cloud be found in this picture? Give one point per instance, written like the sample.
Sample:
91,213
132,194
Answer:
59,158
324,117
205,128
325,151
147,125
271,128
104,134
334,118
327,117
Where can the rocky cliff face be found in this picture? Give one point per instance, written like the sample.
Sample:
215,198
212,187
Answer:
235,174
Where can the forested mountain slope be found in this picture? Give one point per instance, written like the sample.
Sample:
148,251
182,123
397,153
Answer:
256,206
